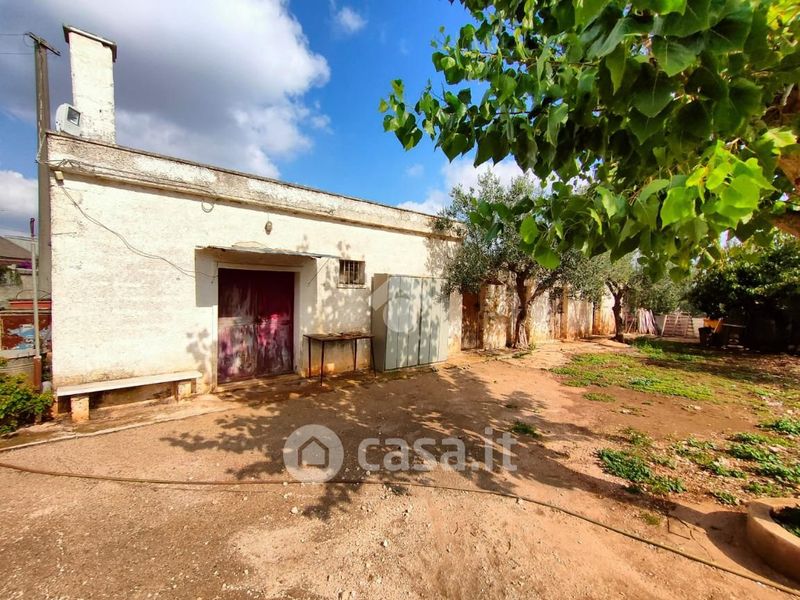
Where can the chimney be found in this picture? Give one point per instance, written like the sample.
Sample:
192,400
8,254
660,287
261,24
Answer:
91,61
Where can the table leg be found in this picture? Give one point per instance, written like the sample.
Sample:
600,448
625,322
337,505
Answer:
355,355
322,361
372,357
309,357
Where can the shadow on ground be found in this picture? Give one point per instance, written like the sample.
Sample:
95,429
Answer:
438,404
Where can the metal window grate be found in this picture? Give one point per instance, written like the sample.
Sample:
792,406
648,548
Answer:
352,273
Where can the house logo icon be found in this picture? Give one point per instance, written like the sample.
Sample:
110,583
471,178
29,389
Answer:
313,453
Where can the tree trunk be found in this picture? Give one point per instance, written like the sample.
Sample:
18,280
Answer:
619,326
618,292
520,333
788,223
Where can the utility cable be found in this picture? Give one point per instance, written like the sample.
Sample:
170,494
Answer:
131,247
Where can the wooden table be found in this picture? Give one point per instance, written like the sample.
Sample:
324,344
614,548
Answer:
324,338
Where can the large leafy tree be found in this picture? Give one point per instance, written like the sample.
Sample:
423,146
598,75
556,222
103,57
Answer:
496,254
682,116
754,282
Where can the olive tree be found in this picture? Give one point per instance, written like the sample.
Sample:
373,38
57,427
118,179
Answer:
496,254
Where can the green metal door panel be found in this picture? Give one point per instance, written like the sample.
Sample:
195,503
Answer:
415,321
443,304
425,323
392,359
402,322
408,303
433,322
429,323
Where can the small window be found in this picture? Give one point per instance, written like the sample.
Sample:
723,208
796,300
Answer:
351,273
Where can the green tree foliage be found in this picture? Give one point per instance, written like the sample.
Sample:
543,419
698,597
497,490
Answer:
494,252
630,286
681,116
600,275
662,296
754,284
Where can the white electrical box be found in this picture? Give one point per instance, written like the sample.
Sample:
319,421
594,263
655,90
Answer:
68,119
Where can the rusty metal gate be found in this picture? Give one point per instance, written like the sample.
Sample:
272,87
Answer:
256,323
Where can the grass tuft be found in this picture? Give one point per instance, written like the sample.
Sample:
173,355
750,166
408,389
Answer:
637,438
522,428
598,397
766,490
625,465
751,452
759,438
633,468
630,371
650,518
725,498
785,425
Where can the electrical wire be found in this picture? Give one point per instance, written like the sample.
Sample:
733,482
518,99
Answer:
131,247
449,488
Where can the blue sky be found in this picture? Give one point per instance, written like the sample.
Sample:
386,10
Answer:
277,88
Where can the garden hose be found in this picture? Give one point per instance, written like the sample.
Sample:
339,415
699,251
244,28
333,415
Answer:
343,481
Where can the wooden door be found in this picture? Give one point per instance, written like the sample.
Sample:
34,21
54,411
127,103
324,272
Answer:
256,324
470,321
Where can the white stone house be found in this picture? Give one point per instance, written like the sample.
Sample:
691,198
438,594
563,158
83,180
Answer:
152,256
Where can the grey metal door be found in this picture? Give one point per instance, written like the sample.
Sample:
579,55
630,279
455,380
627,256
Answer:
402,322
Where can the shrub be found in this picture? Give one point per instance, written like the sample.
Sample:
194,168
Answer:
19,404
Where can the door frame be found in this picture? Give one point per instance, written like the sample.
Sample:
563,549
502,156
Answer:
215,324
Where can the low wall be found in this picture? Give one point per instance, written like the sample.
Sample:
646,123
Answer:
546,318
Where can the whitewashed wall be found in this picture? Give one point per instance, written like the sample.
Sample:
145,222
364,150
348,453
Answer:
121,310
545,319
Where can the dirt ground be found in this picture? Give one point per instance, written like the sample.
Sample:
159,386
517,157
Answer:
73,538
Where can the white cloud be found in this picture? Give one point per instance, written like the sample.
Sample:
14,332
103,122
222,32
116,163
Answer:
435,201
348,20
415,170
18,202
225,86
461,172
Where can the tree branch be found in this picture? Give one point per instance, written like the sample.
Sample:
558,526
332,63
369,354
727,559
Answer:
788,222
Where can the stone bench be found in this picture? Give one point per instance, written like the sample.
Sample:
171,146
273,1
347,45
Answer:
79,394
